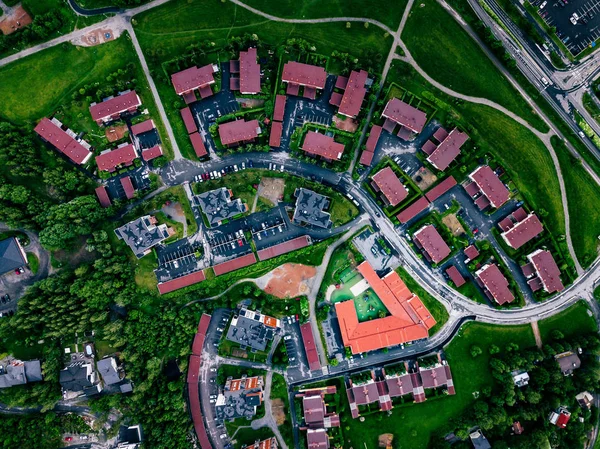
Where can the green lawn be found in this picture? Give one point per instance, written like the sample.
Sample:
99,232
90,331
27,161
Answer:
583,197
573,321
449,55
470,290
33,262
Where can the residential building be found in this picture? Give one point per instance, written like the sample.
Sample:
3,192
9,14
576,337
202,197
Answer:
112,107
103,197
520,378
198,144
471,252
17,372
354,94
238,132
455,276
123,155
12,255
410,119
560,418
585,400
188,120
316,415
494,284
269,443
442,155
478,440
410,212
429,240
369,152
568,362
151,153
252,329
80,378
542,272
517,428
194,78
310,208
128,188
248,70
317,144
440,188
486,188
275,135
130,437
523,231
391,188
64,141
310,77
279,109
180,282
234,264
109,371
310,348
142,234
219,205
317,439
283,248
240,398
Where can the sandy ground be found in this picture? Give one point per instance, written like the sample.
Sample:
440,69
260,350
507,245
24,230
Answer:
18,19
114,133
290,280
97,37
271,189
277,411
453,224
427,178
347,124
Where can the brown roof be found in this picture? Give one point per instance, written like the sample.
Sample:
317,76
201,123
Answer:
405,115
366,157
432,243
317,439
142,127
238,131
180,282
103,197
341,82
547,270
115,105
62,141
448,150
152,153
249,72
304,74
441,188
495,283
309,346
455,276
128,187
111,159
440,134
282,248
471,252
275,136
523,231
413,210
336,99
354,94
322,145
198,145
314,409
391,187
490,185
192,78
279,110
234,264
188,119
373,138
429,147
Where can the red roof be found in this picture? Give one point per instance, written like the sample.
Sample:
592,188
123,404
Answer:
432,243
275,136
322,145
304,74
366,157
373,138
152,153
563,419
391,187
234,264
249,72
341,82
437,191
110,160
193,369
471,252
198,343
455,276
188,120
490,185
102,195
192,78
336,99
279,109
128,187
198,145
354,94
547,270
523,231
62,141
194,398
183,281
448,150
282,248
204,323
409,319
495,283
405,115
115,106
309,346
238,131
143,127
413,210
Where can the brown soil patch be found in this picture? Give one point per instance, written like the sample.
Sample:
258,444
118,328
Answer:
277,409
290,280
239,353
453,224
385,439
347,124
114,133
248,103
271,189
97,37
18,19
424,178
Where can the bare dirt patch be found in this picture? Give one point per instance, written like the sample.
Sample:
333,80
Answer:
271,189
424,178
249,103
453,224
17,20
277,409
385,440
347,124
290,280
96,37
239,353
114,133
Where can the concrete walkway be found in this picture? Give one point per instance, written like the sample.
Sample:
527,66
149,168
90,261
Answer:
268,420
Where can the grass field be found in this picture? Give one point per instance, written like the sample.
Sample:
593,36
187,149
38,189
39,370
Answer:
33,262
449,55
575,320
583,197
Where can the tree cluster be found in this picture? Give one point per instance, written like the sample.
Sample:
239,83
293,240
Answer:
43,26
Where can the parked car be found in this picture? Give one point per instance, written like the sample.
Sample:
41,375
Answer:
68,438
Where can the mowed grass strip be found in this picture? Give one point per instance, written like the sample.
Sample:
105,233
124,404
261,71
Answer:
449,55
583,198
577,319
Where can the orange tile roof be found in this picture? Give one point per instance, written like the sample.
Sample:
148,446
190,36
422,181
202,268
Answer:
409,319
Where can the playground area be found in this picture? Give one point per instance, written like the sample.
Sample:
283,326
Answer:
352,286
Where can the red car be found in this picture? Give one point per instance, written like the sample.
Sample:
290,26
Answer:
68,438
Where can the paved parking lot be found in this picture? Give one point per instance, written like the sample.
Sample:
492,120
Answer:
228,240
558,13
139,178
148,139
176,259
367,243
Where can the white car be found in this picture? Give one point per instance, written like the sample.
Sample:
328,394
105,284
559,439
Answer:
243,166
287,337
281,169
235,167
543,5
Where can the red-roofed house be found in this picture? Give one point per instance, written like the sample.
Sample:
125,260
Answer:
441,188
279,109
128,187
188,120
249,71
152,153
238,132
523,231
110,160
234,264
447,150
299,74
374,135
455,276
317,439
392,189
366,158
471,252
495,285
103,197
560,417
64,141
193,78
413,210
180,282
354,94
275,136
487,182
545,268
198,145
326,147
112,108
309,346
143,127
431,242
396,111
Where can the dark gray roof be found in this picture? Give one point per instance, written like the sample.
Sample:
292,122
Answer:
479,440
238,404
310,208
141,235
74,377
107,369
250,332
33,371
11,256
217,205
126,387
15,375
